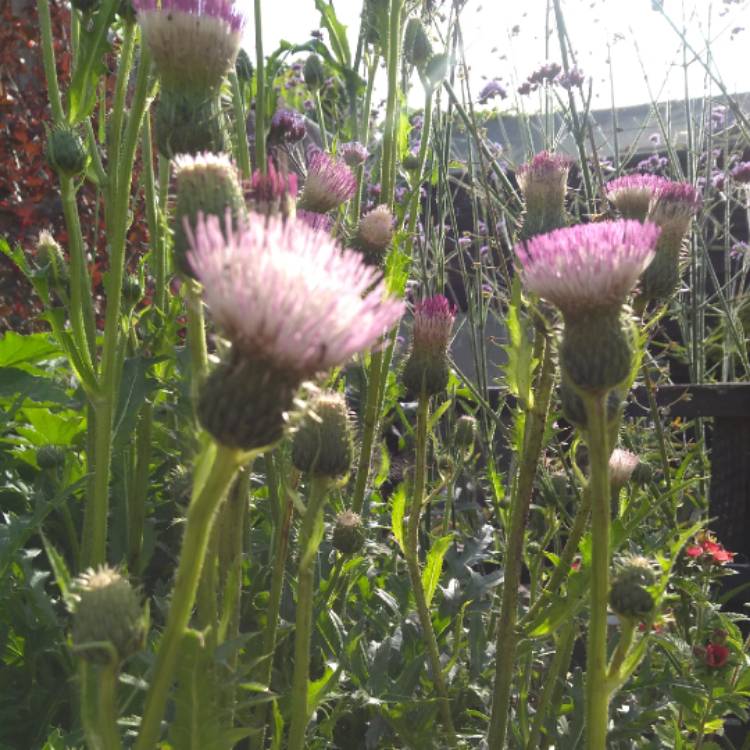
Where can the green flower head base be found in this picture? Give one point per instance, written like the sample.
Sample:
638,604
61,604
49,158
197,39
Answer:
543,182
293,304
194,43
587,271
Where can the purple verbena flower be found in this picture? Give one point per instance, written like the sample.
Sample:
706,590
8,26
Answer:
587,267
329,183
572,79
288,295
194,43
491,90
741,172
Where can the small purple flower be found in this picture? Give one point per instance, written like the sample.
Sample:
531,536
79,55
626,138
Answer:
316,34
329,183
287,126
741,172
491,90
308,104
574,78
324,222
399,193
588,266
464,242
353,153
545,73
655,138
525,88
287,295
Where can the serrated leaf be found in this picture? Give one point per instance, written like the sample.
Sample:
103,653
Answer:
59,568
434,566
520,366
318,689
398,504
16,348
336,32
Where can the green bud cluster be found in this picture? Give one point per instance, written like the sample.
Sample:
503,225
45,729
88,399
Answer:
65,151
628,595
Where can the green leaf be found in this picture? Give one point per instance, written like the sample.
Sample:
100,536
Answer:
398,504
434,566
336,32
520,366
16,348
46,427
59,568
318,689
15,382
135,388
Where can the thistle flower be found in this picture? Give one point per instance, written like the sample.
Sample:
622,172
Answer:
426,370
374,233
293,304
194,43
587,271
317,221
287,126
273,192
622,464
543,182
672,209
107,610
353,153
322,444
206,184
329,183
632,194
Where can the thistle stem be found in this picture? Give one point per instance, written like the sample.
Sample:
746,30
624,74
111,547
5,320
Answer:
312,533
99,705
260,93
507,635
412,560
597,694
200,519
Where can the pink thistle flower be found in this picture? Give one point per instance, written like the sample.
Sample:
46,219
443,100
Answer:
622,464
194,43
329,183
353,153
433,323
543,182
288,295
317,221
673,206
632,193
272,192
588,266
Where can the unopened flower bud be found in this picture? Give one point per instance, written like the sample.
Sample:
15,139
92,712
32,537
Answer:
207,185
314,73
543,182
50,457
628,596
132,291
322,444
189,123
51,263
374,234
243,67
426,370
622,464
243,403
65,151
108,609
466,432
348,533
417,46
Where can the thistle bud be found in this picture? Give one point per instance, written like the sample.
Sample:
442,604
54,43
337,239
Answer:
622,464
466,432
51,263
426,370
207,185
374,234
132,291
189,123
108,609
628,596
242,404
65,151
543,182
348,533
322,444
50,457
417,46
314,73
243,67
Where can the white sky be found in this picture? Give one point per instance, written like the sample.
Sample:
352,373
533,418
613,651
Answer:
631,27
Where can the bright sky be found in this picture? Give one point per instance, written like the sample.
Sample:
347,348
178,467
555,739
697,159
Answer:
505,40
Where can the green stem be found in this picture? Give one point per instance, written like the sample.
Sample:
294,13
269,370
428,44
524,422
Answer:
364,139
507,634
260,94
137,498
552,678
196,334
627,631
321,119
597,696
152,218
200,519
312,532
240,127
388,164
412,560
97,507
99,705
48,59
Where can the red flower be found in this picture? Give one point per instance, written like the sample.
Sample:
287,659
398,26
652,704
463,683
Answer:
693,551
716,655
707,548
